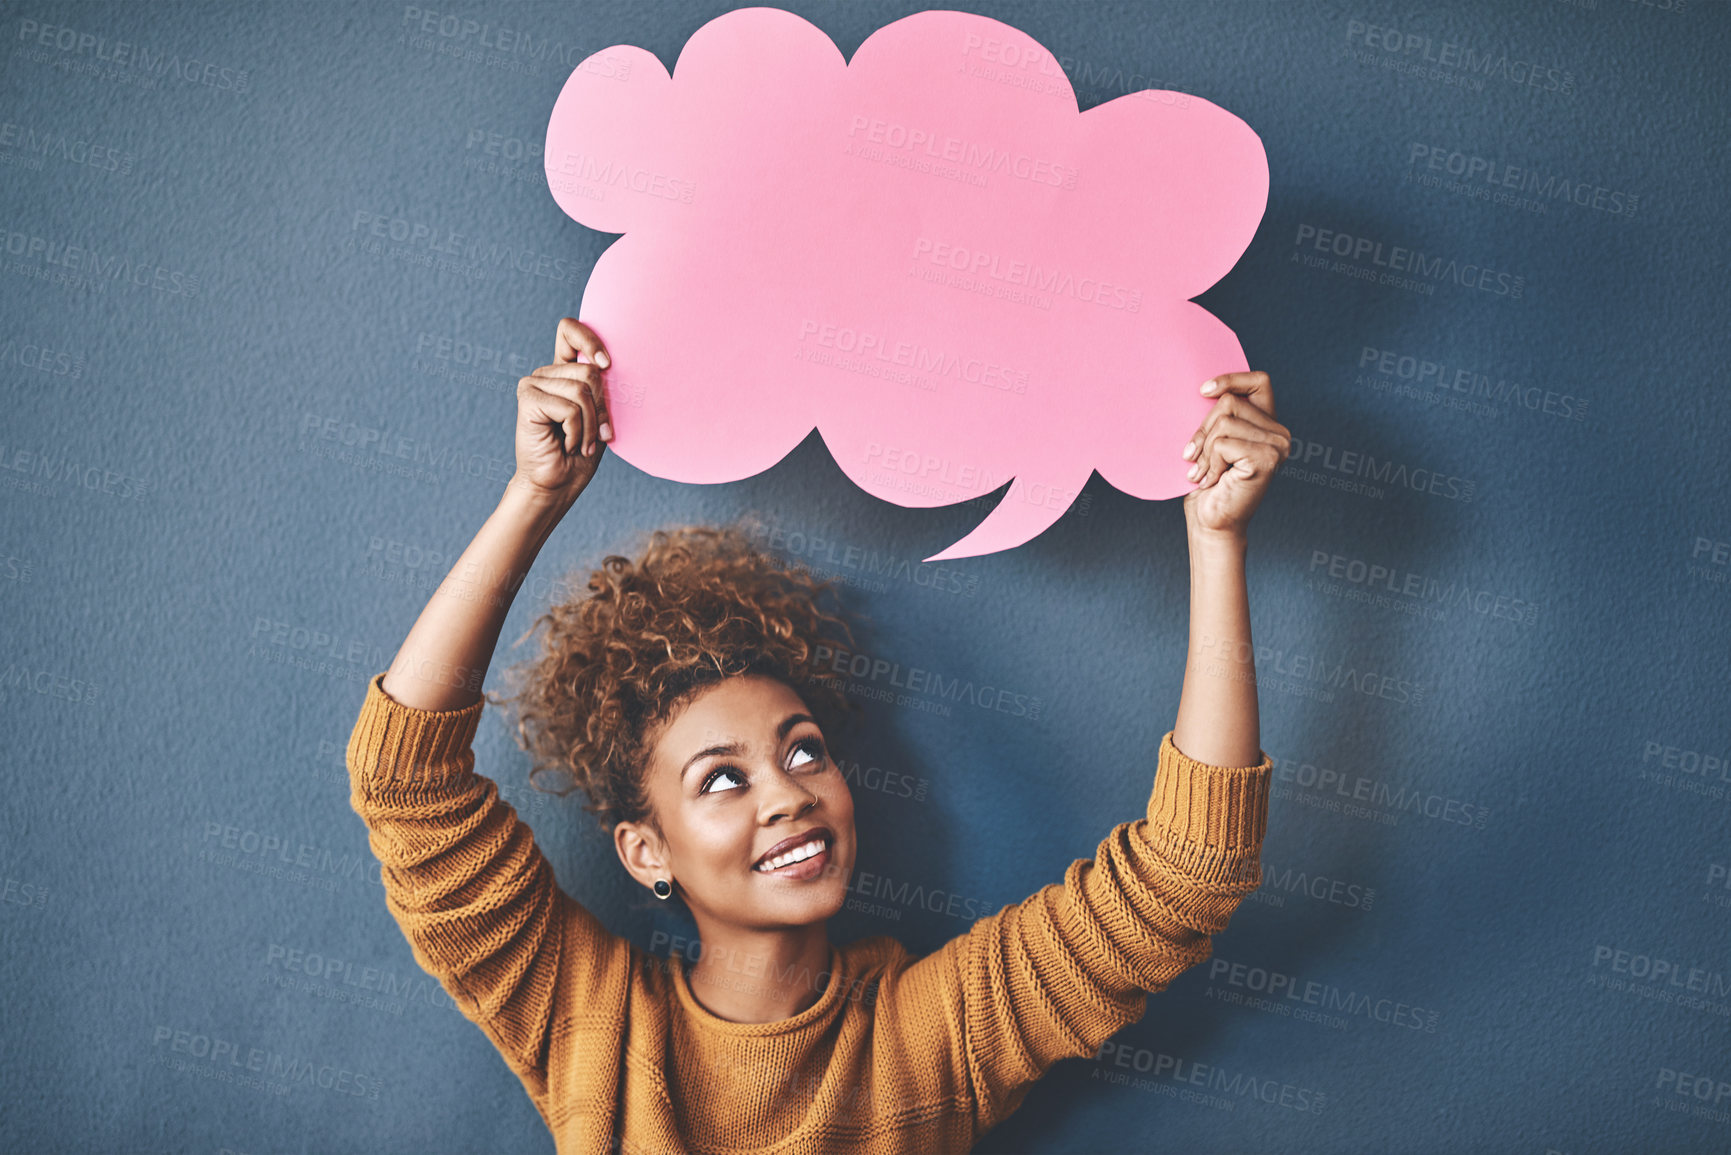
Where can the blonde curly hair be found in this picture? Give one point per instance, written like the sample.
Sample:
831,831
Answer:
697,605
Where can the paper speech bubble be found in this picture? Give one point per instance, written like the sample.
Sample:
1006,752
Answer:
927,254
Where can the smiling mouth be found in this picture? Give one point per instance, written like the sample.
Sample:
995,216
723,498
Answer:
806,860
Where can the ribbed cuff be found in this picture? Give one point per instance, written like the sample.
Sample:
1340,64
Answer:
1211,815
397,748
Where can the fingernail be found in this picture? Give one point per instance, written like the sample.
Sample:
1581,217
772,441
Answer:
602,359
1189,448
606,431
1193,471
1208,385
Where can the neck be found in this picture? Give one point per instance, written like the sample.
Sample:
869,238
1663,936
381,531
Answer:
760,976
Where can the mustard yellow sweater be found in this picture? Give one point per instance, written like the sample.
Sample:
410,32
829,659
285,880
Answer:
897,1055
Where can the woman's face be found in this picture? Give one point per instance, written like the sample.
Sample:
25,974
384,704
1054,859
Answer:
733,775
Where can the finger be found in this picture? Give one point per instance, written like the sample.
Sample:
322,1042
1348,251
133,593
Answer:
1216,459
575,382
574,336
581,385
569,379
591,427
598,398
1253,384
1243,417
540,405
576,372
1245,458
1193,447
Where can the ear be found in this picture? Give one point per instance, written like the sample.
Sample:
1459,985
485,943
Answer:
642,852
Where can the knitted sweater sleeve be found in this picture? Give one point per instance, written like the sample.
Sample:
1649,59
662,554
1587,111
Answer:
1056,975
467,884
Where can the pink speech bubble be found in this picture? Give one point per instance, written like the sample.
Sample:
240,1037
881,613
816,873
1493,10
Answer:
927,254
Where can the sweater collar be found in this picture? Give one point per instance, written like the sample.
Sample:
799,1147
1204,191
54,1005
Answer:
818,1011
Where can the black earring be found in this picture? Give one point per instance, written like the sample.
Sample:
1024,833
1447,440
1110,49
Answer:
663,888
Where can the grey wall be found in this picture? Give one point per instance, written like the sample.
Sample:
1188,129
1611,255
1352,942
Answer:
1497,857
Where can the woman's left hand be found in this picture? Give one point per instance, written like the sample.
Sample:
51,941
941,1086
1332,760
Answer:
1237,449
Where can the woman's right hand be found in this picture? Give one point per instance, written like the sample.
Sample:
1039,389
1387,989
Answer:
562,423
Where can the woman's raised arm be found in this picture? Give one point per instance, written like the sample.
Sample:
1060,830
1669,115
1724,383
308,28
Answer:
1056,975
1241,446
463,877
561,427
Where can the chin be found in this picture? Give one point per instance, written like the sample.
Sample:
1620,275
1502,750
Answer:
808,901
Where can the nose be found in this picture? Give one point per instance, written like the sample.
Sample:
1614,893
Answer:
785,796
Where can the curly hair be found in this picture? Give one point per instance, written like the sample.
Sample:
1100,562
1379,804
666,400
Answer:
699,604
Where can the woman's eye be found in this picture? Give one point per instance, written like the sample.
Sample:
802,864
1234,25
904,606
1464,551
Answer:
812,748
724,772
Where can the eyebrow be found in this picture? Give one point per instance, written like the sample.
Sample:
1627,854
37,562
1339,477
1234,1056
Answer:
781,730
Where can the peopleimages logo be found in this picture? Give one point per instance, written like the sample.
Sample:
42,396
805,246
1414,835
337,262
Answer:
37,144
1026,273
815,550
1336,788
1404,259
132,56
461,36
1465,59
1293,880
985,159
92,266
1236,1086
1442,378
1287,988
414,236
1457,593
1662,971
1500,175
339,974
1655,979
226,1054
1341,673
261,853
1356,463
917,680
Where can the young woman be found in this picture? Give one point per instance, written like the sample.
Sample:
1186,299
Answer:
685,696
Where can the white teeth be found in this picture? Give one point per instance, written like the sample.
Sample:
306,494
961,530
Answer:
797,854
